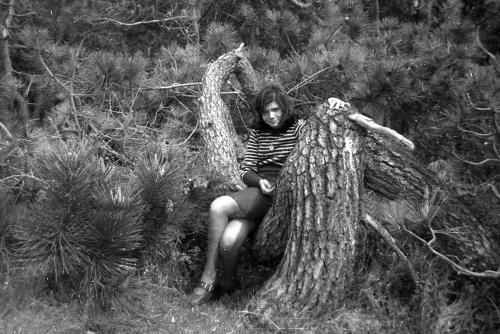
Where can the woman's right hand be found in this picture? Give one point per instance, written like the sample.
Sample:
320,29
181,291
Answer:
266,187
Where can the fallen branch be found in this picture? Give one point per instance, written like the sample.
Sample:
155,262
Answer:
175,85
479,163
301,4
7,132
391,242
176,18
456,266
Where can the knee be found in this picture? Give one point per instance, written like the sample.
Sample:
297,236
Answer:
221,205
231,238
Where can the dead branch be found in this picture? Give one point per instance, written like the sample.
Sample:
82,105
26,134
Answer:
479,163
308,79
488,134
167,19
70,91
492,56
391,242
369,124
301,4
175,85
494,190
7,132
460,269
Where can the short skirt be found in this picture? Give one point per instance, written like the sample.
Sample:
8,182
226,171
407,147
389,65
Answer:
252,202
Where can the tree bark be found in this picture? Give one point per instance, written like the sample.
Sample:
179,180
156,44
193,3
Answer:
217,126
392,173
5,63
319,198
14,108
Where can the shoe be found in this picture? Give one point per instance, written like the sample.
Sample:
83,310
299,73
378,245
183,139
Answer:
231,285
202,297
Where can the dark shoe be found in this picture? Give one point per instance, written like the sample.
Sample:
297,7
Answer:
205,291
231,285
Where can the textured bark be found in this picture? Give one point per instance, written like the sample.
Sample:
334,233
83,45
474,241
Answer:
319,197
392,173
215,119
6,19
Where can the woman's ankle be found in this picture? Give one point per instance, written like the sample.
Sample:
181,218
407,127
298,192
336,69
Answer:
208,277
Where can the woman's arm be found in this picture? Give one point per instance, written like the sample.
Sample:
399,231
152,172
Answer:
248,168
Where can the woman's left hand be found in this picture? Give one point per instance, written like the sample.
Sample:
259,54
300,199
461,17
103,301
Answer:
335,103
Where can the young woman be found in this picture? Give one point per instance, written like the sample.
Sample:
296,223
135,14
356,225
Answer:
232,217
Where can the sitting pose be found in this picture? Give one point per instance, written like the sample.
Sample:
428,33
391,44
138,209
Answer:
232,217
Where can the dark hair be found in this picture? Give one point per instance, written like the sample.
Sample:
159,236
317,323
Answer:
269,94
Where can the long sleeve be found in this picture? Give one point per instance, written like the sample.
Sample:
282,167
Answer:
248,169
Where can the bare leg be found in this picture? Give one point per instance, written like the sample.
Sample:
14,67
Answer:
222,210
230,243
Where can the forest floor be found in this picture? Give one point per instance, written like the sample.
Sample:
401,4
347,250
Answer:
157,308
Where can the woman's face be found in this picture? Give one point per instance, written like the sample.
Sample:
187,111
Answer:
272,114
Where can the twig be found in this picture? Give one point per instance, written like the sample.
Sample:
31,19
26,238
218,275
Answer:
479,163
309,78
391,242
175,85
482,46
23,176
266,318
7,132
301,4
70,91
369,124
488,134
190,135
494,190
176,18
456,266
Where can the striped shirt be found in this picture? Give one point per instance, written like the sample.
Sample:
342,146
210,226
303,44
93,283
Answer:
267,151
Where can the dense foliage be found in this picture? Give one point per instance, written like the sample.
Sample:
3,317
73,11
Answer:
101,165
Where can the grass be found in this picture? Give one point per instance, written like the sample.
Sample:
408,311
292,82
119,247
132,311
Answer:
162,310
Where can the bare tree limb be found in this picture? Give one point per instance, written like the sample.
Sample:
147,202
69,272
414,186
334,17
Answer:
70,91
479,163
308,79
488,134
460,269
175,85
492,56
301,4
494,190
7,132
167,19
391,242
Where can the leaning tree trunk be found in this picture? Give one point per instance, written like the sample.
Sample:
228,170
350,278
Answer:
319,197
217,126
